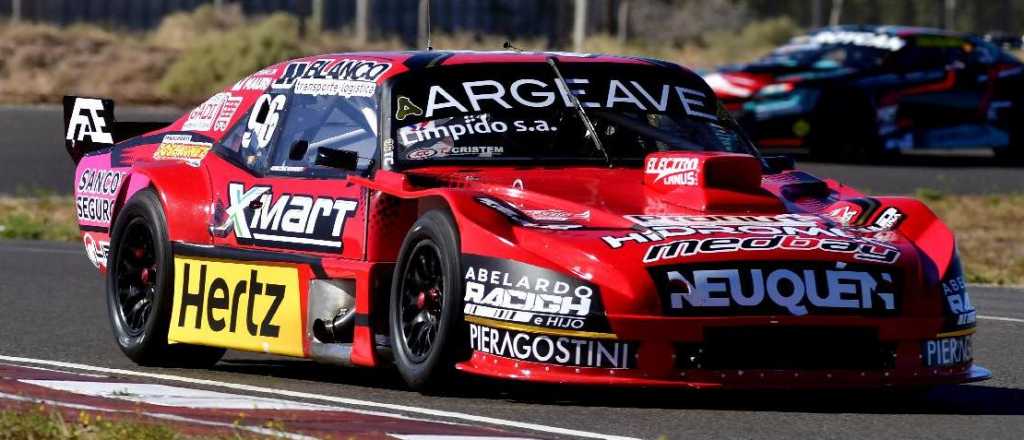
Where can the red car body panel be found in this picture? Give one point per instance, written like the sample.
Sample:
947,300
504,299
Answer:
612,245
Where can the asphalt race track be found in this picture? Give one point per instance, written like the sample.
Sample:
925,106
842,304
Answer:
32,157
51,308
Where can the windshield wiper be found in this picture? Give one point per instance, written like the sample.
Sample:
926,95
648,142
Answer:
581,112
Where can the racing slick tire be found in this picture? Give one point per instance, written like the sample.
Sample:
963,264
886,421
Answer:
425,310
848,131
140,280
1013,153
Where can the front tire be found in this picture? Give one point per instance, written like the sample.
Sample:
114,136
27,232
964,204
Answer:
140,279
425,312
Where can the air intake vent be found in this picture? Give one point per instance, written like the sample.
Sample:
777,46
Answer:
787,348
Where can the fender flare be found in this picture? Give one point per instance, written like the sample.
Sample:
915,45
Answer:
184,190
920,225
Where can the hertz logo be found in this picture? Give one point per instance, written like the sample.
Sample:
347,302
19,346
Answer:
234,305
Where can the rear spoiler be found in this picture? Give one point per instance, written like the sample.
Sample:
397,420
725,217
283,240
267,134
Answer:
89,125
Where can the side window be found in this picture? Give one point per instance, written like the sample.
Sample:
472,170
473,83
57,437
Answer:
230,146
248,142
918,58
956,56
325,122
984,53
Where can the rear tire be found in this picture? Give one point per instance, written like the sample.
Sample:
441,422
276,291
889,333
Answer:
1014,152
846,131
425,312
140,279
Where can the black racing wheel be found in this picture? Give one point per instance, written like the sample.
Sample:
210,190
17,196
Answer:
1014,152
845,129
140,279
427,329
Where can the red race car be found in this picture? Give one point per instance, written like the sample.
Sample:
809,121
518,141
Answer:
536,216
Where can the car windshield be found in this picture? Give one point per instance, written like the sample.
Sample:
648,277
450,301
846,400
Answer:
522,113
824,57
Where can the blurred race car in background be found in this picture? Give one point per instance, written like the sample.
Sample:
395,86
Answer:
859,93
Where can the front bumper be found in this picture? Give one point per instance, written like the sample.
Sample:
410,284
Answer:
502,368
660,345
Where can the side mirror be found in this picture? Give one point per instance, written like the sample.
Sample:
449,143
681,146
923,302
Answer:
340,159
298,150
780,163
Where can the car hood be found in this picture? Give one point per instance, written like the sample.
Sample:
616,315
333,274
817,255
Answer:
618,231
589,204
611,228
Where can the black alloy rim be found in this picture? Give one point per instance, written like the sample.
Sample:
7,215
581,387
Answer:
135,276
422,300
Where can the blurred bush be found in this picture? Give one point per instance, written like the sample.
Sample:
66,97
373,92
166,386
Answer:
214,61
41,63
193,54
681,22
182,30
752,41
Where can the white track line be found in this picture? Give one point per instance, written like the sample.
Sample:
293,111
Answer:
5,248
98,376
1000,318
169,417
325,398
175,396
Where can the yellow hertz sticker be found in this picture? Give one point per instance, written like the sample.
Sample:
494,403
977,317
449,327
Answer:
234,305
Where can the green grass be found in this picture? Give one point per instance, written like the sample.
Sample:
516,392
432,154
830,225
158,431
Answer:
42,423
38,217
988,233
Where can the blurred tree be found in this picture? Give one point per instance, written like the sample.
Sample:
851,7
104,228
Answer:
362,25
15,11
836,13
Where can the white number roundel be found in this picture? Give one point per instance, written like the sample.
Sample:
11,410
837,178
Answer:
266,113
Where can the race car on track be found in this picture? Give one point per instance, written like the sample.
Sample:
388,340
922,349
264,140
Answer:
865,92
547,217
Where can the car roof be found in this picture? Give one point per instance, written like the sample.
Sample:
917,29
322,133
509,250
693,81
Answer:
412,61
895,30
450,57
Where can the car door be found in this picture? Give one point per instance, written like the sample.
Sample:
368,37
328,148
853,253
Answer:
279,196
939,84
1001,81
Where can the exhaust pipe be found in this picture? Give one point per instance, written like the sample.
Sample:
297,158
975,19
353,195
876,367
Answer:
338,329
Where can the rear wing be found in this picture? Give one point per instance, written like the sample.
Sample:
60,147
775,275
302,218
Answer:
89,125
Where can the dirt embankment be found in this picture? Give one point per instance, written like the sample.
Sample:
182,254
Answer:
192,54
42,63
